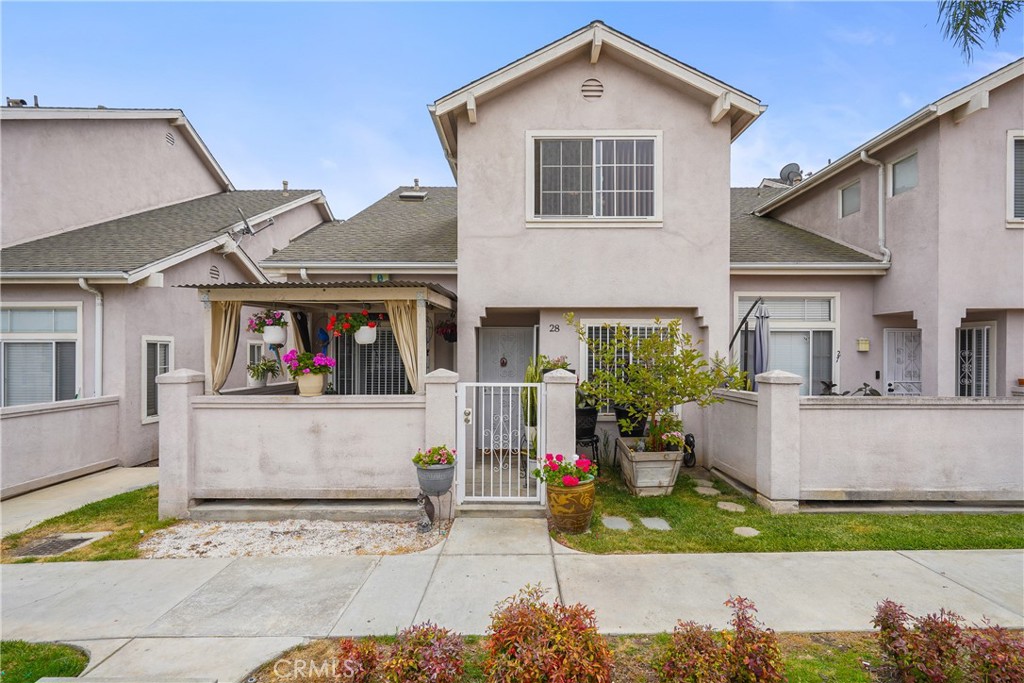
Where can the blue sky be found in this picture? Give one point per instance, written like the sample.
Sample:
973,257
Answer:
333,95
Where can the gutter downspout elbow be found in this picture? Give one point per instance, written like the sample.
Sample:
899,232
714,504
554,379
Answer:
304,275
98,325
886,254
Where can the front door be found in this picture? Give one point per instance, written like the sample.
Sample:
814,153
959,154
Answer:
902,362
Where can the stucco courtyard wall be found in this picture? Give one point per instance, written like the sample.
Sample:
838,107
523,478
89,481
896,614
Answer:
45,443
790,449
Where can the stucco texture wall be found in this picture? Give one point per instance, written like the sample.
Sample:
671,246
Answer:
504,262
101,169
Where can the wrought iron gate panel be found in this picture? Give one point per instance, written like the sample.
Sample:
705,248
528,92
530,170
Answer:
500,431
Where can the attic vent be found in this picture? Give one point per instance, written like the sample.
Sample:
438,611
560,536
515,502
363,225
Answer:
169,138
592,89
214,273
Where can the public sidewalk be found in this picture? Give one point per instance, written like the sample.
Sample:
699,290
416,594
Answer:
29,509
220,618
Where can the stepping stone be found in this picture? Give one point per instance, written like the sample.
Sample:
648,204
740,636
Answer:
617,523
703,482
731,507
746,531
708,491
656,523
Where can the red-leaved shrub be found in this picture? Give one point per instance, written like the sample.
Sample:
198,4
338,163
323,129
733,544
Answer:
425,653
536,642
693,656
357,660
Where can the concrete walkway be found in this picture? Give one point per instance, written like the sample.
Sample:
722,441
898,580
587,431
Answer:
21,512
220,618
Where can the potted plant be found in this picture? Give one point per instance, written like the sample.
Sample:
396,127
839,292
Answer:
556,363
308,370
448,329
359,325
651,376
435,469
570,491
262,370
271,325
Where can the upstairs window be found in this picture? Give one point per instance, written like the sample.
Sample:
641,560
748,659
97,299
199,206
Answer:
849,200
904,174
1015,199
602,177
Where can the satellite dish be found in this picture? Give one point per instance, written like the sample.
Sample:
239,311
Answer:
790,173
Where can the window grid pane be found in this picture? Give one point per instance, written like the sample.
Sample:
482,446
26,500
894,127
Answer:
28,373
565,177
66,378
625,175
583,177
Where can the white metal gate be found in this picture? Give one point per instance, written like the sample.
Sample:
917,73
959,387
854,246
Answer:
500,432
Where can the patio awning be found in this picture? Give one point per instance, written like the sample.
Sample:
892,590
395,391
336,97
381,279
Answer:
318,293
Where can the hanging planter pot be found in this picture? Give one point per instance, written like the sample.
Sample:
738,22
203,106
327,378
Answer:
272,334
365,334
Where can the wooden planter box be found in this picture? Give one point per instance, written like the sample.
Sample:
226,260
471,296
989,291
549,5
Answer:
648,473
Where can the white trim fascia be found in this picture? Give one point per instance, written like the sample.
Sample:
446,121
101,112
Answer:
33,113
293,267
906,126
44,278
174,259
248,264
445,143
809,268
205,155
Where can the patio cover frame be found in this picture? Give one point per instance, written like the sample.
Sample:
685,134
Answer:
287,295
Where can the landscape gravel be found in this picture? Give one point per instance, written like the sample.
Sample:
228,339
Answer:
288,538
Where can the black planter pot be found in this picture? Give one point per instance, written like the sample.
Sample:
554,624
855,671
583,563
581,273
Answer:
639,426
586,423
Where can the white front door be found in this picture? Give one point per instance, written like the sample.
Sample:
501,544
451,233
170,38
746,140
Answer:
902,362
504,353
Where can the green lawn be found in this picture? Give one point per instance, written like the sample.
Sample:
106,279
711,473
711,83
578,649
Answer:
23,662
125,515
698,526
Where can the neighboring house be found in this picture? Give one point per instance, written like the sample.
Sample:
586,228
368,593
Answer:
104,212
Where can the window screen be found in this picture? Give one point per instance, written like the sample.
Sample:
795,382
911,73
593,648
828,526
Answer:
594,177
157,363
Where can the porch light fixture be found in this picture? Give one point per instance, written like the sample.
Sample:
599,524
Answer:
863,344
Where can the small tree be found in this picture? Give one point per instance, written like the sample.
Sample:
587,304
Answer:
650,375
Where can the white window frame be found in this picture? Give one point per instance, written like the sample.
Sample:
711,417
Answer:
860,203
584,353
797,325
891,189
146,340
1011,220
535,221
251,344
42,337
993,356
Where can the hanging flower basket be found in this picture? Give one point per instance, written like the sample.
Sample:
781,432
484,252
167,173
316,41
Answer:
448,330
274,335
359,325
366,334
270,324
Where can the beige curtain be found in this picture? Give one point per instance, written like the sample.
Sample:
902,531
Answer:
403,324
224,340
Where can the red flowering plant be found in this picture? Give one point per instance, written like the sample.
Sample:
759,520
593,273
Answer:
350,323
266,318
559,470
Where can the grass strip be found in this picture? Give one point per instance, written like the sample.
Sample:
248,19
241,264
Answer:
24,662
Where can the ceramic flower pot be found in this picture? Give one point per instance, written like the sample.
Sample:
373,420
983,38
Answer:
310,385
365,335
274,335
436,480
254,383
572,507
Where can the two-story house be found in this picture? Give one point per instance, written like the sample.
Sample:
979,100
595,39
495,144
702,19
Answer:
105,211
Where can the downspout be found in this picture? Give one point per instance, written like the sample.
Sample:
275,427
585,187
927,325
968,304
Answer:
304,275
886,254
98,351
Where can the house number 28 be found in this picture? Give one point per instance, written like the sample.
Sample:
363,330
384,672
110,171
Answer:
553,328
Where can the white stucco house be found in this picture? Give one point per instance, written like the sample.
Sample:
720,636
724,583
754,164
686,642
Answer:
104,212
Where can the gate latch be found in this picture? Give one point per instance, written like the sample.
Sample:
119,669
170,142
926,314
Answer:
467,415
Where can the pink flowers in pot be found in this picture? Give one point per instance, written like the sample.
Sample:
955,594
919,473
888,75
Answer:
557,470
306,363
266,318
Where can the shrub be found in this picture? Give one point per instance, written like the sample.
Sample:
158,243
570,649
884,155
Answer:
533,642
693,656
358,660
425,653
936,648
748,653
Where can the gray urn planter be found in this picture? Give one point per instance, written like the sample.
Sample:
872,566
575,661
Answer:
435,480
648,473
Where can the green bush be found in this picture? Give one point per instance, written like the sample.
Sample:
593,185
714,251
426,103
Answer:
28,662
535,642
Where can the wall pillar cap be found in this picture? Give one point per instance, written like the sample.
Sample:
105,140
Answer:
778,377
181,376
441,376
559,376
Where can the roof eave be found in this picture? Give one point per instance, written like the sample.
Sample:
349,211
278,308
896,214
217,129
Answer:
57,277
809,268
375,266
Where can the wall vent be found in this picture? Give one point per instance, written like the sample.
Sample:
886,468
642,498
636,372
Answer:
592,89
214,273
169,138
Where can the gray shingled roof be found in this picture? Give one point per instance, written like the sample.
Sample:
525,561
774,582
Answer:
392,230
133,242
758,239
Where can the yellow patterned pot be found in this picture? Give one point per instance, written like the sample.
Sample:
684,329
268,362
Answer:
571,507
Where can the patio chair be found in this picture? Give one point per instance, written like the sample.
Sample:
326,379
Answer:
586,428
